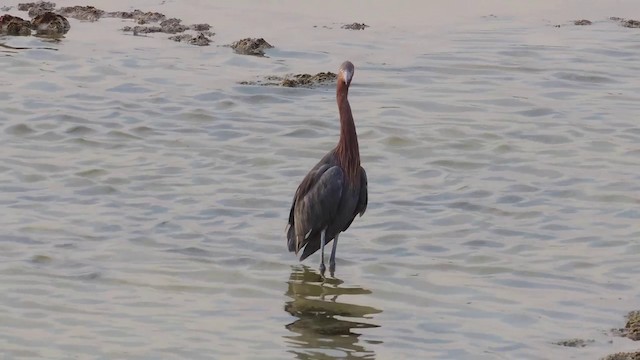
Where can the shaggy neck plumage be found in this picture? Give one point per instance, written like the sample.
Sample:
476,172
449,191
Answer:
347,151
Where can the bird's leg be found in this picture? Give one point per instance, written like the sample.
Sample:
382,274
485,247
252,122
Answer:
322,241
332,259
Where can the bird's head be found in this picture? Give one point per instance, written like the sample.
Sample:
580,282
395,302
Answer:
346,71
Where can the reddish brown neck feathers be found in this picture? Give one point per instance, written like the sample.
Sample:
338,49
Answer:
347,151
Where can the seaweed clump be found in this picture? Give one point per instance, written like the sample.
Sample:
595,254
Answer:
355,26
251,46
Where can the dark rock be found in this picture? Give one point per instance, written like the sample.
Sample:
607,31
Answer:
138,15
13,25
50,23
630,23
181,37
200,27
631,329
623,356
26,6
582,22
36,8
575,342
355,26
149,16
173,26
199,40
142,29
633,325
169,26
118,14
307,80
251,46
297,80
88,13
18,29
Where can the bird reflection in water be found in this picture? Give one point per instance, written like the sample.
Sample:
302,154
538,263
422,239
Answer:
320,331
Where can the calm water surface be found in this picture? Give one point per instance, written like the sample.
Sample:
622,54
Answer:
146,192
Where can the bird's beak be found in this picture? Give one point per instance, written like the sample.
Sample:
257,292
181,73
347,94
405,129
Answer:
347,76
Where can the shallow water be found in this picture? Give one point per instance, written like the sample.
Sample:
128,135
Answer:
146,192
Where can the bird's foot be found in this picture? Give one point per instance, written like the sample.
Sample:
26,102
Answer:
322,269
332,268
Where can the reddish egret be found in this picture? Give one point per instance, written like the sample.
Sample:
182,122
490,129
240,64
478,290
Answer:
334,191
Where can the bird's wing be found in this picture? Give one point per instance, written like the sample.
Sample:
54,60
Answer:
309,180
363,200
316,207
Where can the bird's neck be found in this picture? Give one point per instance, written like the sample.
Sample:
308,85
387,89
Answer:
347,151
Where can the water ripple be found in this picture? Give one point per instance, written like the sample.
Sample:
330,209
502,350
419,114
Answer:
147,194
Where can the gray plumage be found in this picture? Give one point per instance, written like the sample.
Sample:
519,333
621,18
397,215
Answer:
324,200
334,191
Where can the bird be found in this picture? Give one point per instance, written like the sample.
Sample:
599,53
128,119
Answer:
334,191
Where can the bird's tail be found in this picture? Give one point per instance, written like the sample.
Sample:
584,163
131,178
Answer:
312,245
291,239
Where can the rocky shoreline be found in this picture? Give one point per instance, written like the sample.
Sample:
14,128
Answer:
46,19
51,21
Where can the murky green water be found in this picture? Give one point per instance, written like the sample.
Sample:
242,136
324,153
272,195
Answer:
146,192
